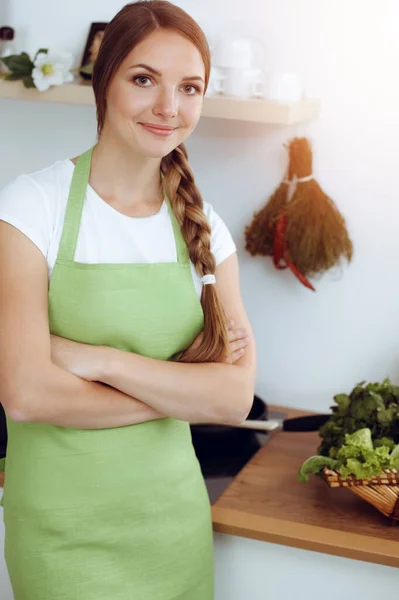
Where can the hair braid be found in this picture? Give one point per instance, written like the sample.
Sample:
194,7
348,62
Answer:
187,206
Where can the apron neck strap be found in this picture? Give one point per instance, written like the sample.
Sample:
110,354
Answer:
74,209
73,214
181,246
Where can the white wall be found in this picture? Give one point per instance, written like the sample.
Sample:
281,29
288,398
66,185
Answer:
310,345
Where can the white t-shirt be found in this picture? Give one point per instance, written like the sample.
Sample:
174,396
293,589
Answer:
36,203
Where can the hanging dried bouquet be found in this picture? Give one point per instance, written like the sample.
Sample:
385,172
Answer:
300,227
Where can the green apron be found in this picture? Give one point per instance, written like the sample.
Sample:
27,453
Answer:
114,514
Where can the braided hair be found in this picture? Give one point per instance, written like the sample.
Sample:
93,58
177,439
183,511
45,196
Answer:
187,206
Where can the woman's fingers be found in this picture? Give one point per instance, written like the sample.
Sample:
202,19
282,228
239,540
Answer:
239,344
236,356
237,348
236,334
238,339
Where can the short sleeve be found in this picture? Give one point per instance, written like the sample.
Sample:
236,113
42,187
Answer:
222,244
23,204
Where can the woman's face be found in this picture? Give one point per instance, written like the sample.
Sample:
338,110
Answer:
155,99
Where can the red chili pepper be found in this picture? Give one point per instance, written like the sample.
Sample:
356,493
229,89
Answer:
279,241
281,257
294,269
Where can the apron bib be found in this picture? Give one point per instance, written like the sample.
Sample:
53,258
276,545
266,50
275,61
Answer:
112,514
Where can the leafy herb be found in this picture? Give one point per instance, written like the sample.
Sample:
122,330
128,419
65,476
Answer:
374,406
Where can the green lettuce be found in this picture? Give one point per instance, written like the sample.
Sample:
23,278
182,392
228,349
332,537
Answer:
395,457
315,465
357,456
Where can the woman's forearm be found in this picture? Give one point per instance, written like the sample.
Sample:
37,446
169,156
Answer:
60,398
195,392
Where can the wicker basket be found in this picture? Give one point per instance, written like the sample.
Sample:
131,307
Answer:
382,491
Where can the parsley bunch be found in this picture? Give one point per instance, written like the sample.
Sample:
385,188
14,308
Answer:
374,406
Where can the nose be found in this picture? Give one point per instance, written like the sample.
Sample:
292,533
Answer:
166,103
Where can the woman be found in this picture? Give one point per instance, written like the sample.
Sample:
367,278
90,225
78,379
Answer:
115,254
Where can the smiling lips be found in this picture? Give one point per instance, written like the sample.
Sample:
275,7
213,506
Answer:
161,130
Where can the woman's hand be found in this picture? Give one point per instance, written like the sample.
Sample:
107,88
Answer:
79,359
238,339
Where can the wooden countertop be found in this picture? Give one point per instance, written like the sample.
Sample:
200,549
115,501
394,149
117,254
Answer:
266,502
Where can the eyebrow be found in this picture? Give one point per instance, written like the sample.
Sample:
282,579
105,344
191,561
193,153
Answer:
158,74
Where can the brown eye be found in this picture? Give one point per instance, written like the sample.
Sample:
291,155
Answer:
142,80
190,89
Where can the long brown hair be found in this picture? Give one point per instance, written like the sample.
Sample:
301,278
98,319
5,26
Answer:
132,24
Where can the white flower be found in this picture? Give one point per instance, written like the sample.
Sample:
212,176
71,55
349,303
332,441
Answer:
52,69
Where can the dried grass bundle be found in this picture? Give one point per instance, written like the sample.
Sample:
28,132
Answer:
301,229
259,235
316,235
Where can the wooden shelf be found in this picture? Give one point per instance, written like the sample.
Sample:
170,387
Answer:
260,111
69,93
255,111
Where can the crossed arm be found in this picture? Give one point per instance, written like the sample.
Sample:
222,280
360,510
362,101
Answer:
47,379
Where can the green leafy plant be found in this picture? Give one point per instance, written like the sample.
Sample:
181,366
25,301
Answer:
375,406
357,456
361,437
20,67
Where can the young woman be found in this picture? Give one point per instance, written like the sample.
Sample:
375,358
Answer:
121,323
